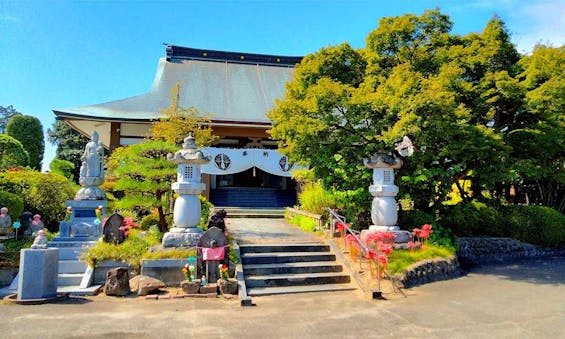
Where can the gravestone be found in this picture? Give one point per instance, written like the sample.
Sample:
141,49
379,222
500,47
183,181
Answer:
112,232
25,221
39,269
212,241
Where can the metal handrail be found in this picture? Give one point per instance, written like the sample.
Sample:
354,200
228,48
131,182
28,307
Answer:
365,248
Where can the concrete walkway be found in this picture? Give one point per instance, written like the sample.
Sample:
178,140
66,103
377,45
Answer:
267,231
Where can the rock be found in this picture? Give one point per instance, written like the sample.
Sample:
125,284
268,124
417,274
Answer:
191,287
227,286
117,282
145,285
210,288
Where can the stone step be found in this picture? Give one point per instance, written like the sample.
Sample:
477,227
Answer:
237,212
276,280
78,291
69,279
285,257
71,242
292,268
71,266
260,291
70,253
270,248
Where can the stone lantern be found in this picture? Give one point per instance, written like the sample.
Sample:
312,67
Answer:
384,212
187,209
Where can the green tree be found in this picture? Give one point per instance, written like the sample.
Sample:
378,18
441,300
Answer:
12,153
144,174
538,135
413,78
6,113
29,131
70,145
177,122
62,167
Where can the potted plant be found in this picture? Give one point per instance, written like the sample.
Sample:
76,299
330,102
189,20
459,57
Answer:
227,285
190,285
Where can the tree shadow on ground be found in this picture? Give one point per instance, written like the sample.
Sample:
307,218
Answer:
536,271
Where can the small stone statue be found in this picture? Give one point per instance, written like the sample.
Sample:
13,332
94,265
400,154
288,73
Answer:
40,242
5,222
36,224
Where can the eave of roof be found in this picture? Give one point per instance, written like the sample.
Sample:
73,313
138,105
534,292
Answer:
229,86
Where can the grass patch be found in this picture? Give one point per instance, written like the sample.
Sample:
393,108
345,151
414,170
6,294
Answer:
399,260
305,223
176,253
131,251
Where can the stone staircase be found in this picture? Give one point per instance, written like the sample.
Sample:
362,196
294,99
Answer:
74,274
241,212
252,197
292,268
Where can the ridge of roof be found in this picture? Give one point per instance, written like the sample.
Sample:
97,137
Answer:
178,52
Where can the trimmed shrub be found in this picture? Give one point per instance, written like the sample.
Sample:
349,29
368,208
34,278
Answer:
13,202
471,219
539,225
148,221
29,131
12,152
42,193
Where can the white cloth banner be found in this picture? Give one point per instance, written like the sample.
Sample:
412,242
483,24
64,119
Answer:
230,161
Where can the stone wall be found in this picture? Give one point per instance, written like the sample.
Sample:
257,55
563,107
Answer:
428,271
475,251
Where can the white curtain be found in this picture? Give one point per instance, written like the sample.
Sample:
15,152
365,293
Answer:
230,161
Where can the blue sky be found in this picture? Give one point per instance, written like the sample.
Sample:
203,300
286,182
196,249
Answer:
57,54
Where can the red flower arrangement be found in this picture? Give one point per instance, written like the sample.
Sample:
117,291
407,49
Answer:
420,237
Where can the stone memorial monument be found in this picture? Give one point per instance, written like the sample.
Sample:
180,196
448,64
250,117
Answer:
187,209
212,250
39,269
384,213
82,223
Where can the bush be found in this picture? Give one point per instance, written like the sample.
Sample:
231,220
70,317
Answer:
206,207
42,193
472,219
537,225
62,167
131,251
315,199
29,131
415,218
148,221
13,202
12,152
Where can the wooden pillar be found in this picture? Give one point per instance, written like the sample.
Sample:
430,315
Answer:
114,135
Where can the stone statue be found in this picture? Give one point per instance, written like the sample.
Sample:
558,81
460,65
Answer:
92,164
5,222
92,171
36,224
40,242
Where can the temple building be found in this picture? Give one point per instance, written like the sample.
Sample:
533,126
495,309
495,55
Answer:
236,90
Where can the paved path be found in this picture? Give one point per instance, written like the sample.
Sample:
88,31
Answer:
265,231
520,300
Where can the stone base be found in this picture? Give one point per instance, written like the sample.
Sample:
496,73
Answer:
177,237
400,236
38,275
90,193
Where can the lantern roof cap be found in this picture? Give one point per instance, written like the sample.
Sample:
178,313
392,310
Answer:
382,160
189,154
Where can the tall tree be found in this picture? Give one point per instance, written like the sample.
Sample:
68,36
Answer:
413,78
144,174
5,114
70,145
177,122
29,131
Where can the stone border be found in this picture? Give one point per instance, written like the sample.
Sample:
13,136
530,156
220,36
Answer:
12,298
489,250
427,271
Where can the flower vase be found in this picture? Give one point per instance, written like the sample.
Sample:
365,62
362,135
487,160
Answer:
191,287
228,286
65,229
